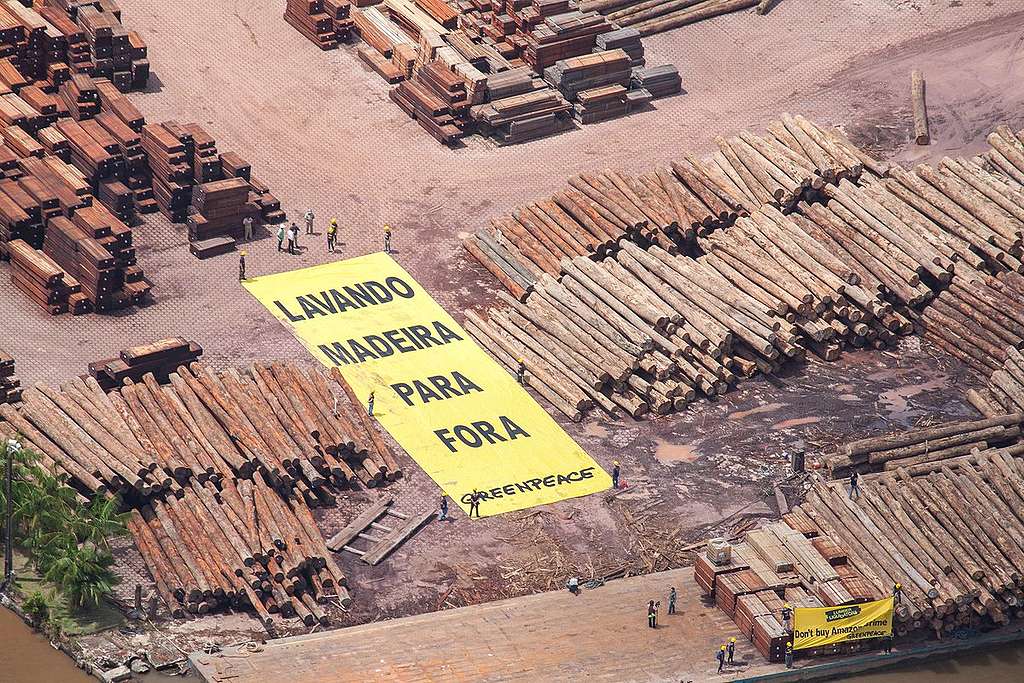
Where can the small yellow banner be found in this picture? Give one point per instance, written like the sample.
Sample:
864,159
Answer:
464,419
819,626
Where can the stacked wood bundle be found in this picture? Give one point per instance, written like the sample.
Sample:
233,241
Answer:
160,358
436,98
654,16
325,22
1006,156
170,166
577,74
776,565
39,278
561,36
95,248
920,451
625,39
220,208
80,96
10,386
525,116
660,81
239,546
294,427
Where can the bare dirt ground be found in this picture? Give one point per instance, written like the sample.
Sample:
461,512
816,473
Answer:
319,129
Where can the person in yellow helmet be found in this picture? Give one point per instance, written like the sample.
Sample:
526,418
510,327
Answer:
897,593
787,615
731,649
387,239
720,656
332,235
241,266
520,370
789,654
615,474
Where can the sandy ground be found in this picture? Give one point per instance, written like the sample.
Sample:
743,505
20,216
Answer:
318,128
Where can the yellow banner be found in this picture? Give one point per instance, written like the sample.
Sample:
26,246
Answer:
464,419
818,626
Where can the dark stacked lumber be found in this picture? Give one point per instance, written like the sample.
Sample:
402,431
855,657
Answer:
562,36
436,98
324,22
170,166
220,207
571,76
520,108
625,39
39,278
160,358
10,386
654,16
660,81
923,450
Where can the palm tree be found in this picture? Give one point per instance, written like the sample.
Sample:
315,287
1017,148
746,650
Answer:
101,521
83,575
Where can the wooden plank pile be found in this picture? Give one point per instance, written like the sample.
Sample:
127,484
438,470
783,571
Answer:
773,566
10,386
325,22
654,16
220,207
660,81
436,98
926,450
39,278
160,358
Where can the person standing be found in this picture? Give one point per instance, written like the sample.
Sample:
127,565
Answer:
652,615
672,600
291,235
887,643
520,370
332,235
854,486
787,615
309,221
280,236
387,239
615,474
369,405
730,649
247,228
474,504
789,655
241,266
443,514
720,656
897,593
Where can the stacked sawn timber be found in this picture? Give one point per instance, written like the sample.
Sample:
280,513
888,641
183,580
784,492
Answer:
325,22
775,565
161,358
42,280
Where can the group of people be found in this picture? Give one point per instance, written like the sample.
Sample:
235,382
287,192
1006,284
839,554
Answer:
288,238
654,605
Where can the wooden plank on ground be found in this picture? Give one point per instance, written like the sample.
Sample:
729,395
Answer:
396,538
358,525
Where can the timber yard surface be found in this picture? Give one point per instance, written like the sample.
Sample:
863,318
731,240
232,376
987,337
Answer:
319,128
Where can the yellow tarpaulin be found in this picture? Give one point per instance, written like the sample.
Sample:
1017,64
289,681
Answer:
818,626
464,419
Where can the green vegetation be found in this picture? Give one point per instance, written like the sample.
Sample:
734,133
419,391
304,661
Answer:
37,607
67,540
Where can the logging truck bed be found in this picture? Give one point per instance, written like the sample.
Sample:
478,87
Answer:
334,144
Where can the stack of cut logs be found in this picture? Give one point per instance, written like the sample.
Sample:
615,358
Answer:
654,16
1005,391
42,280
10,386
950,537
240,546
220,470
145,438
161,358
831,249
922,451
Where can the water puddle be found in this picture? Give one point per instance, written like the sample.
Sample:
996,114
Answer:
795,422
848,397
671,453
896,401
766,408
595,429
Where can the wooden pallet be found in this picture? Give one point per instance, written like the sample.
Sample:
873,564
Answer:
381,546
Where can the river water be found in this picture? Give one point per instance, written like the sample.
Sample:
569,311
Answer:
26,657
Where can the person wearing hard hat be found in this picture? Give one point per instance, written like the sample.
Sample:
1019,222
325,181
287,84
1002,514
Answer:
789,654
520,370
720,656
897,593
241,266
730,649
615,474
387,239
332,235
672,600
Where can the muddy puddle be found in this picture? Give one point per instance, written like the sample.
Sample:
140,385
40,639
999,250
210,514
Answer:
672,453
760,410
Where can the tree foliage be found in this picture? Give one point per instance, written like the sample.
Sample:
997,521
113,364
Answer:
67,540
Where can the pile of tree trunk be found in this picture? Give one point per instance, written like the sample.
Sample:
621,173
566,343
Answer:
670,206
951,537
239,546
1006,155
10,386
1005,391
297,428
921,451
654,16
